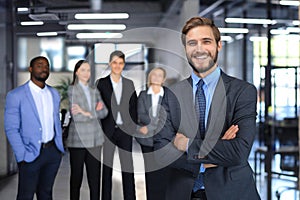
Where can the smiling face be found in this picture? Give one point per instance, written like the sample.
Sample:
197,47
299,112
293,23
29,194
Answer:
117,65
84,73
202,50
157,77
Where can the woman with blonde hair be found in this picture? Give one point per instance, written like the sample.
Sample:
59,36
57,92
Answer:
150,112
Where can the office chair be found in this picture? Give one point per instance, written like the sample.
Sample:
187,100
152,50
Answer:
289,153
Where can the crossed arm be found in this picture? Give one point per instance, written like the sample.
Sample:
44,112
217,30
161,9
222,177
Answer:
181,141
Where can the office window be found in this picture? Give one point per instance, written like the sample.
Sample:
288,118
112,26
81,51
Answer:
52,48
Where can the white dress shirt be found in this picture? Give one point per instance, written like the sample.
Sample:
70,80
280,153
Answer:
44,104
117,86
155,99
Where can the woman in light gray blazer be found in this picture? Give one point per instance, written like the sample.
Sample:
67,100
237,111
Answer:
85,136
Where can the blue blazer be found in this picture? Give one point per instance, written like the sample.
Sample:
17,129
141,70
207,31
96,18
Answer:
22,123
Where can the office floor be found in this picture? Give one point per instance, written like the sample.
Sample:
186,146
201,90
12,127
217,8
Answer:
8,186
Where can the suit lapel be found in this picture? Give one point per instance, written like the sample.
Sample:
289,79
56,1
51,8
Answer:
188,113
31,101
149,103
216,118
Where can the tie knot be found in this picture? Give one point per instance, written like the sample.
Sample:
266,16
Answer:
200,83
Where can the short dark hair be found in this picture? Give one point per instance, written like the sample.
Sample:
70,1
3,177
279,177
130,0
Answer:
33,60
199,21
117,53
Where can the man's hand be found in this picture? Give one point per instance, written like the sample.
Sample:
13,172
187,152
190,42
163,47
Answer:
231,132
229,135
144,130
181,142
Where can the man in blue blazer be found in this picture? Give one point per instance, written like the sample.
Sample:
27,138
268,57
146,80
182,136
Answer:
33,128
213,165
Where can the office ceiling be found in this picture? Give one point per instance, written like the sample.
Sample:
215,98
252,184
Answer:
57,14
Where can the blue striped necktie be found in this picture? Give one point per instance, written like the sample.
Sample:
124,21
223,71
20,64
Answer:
200,104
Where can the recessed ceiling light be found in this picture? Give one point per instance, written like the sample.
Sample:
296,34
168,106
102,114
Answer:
46,34
233,30
98,35
96,27
249,21
22,9
289,3
32,23
101,16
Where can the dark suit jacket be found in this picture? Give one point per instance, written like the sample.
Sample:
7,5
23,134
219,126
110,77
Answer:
234,102
145,118
127,107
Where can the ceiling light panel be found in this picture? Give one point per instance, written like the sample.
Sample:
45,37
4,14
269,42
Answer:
98,35
41,34
101,16
32,23
96,27
250,21
289,3
234,30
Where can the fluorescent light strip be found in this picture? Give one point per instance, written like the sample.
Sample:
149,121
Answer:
258,38
279,32
41,34
96,27
296,22
226,38
101,16
32,23
22,9
249,21
98,35
289,3
293,29
233,30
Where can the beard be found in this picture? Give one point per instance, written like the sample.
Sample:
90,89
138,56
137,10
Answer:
42,78
206,67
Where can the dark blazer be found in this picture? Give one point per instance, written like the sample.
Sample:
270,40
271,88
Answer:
145,118
234,102
127,107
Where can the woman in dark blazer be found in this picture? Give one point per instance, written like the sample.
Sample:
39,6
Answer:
150,116
85,136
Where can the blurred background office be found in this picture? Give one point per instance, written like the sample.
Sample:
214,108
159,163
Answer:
260,45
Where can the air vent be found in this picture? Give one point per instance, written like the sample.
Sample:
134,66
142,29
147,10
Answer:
44,17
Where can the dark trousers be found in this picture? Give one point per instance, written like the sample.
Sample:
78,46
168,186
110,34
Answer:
38,176
156,177
89,157
124,143
180,185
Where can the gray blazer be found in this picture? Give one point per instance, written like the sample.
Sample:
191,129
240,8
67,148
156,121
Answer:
145,118
234,102
85,132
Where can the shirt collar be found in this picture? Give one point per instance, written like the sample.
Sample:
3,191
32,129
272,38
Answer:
209,79
161,92
83,86
120,81
36,88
